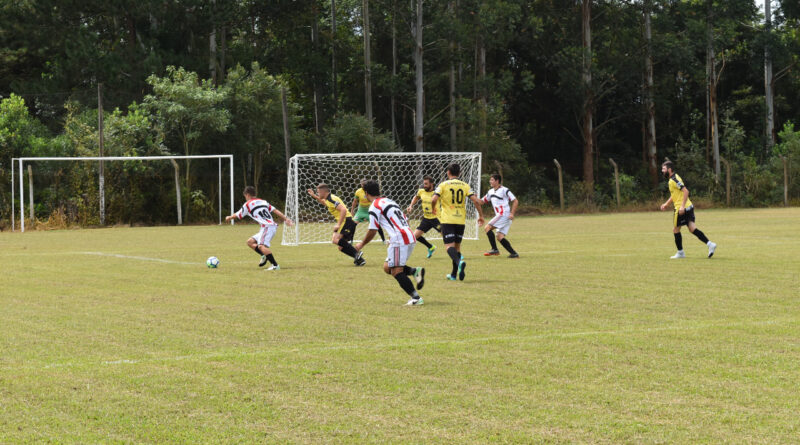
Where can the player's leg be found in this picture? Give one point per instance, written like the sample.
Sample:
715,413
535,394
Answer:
449,235
502,231
489,229
462,265
264,244
424,226
676,232
252,243
348,231
712,246
396,265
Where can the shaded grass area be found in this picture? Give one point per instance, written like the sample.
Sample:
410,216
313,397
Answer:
594,335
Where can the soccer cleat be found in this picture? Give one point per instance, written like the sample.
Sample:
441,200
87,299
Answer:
513,255
711,248
461,266
275,267
359,260
450,277
263,261
678,255
493,252
415,302
419,276
431,250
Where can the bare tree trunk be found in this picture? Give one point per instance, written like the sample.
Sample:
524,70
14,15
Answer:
395,136
420,109
453,130
212,50
317,92
712,92
101,141
768,81
367,64
588,105
482,93
177,190
649,101
286,137
333,56
222,51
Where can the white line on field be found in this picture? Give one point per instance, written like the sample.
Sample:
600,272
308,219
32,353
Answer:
140,258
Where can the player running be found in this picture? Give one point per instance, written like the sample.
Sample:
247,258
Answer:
429,220
684,211
387,214
362,214
505,206
261,211
452,194
345,226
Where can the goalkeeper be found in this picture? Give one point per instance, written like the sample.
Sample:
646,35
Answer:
363,204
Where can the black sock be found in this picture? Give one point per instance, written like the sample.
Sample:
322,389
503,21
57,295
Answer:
490,235
700,235
507,245
424,242
257,251
456,257
380,232
678,241
271,259
409,270
407,285
347,248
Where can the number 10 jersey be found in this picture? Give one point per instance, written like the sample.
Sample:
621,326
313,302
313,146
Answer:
453,195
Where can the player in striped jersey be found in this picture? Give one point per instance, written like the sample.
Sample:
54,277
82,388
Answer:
260,211
505,205
345,227
386,213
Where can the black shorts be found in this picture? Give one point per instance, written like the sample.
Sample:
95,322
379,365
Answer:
452,233
348,229
683,220
428,224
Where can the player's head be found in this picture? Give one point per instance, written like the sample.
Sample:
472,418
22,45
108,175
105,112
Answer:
668,168
323,190
363,181
249,192
453,170
495,180
427,183
372,189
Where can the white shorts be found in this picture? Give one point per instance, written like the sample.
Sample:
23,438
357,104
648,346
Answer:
264,236
396,256
501,223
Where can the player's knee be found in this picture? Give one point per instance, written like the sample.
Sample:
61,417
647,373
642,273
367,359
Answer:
500,236
386,269
487,228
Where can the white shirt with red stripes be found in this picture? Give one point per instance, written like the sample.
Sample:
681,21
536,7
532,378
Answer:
386,214
259,210
500,198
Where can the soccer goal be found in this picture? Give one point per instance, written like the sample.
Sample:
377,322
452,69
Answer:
30,160
399,175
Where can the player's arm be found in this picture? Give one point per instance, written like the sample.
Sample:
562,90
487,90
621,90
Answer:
283,217
434,200
342,216
478,205
664,206
683,203
353,205
514,205
367,238
413,201
237,215
315,196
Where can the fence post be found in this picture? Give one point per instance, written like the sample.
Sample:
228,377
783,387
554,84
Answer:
616,178
178,190
30,193
727,181
785,181
560,184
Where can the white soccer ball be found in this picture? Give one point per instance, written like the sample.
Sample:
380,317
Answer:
212,262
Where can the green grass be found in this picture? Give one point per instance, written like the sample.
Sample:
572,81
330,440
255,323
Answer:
594,335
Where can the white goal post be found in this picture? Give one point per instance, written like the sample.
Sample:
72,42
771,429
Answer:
399,175
21,161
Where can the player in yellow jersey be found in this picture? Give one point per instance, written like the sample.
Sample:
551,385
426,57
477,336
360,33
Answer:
452,196
429,220
345,227
684,211
363,204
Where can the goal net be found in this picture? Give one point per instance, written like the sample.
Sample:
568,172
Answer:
399,175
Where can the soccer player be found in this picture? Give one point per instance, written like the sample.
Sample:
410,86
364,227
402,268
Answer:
362,214
684,211
505,206
261,211
429,220
453,195
387,214
345,227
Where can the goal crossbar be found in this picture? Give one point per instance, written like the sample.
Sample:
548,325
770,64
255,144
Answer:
22,160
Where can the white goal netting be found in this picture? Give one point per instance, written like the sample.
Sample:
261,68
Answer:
399,175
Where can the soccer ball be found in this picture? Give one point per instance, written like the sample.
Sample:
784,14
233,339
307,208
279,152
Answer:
212,262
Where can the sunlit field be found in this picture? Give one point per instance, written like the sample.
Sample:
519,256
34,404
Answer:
593,335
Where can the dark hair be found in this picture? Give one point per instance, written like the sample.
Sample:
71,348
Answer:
670,165
372,188
250,190
454,169
427,178
324,186
497,177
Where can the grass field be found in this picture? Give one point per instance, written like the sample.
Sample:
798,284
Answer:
594,335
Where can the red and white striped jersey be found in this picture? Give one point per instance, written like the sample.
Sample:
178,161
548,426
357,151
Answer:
385,213
500,198
259,210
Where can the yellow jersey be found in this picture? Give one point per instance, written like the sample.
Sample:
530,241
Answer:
453,195
425,199
332,202
676,192
362,198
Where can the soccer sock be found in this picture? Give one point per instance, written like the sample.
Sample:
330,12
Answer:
271,259
490,235
347,248
380,232
407,285
258,252
700,235
424,242
409,270
507,245
456,257
678,241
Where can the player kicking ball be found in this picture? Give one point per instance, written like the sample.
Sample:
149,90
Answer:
505,205
429,220
260,211
385,213
345,227
684,211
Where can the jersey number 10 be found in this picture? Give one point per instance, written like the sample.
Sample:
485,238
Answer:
457,196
